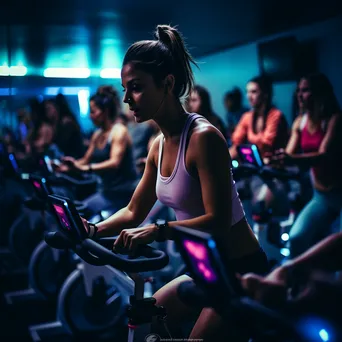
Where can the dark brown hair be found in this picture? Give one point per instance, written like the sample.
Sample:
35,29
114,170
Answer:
163,56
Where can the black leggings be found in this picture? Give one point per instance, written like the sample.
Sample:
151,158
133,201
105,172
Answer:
254,263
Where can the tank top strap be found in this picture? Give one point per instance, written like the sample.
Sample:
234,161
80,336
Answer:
182,143
111,134
161,143
303,122
183,140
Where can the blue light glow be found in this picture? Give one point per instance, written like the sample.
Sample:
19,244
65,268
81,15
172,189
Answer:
324,335
235,163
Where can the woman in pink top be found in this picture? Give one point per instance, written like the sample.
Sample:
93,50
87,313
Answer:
316,143
187,168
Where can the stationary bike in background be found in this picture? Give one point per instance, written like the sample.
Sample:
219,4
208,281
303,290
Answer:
271,231
13,188
48,268
26,231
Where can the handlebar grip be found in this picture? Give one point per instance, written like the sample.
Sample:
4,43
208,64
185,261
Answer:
58,240
148,258
88,257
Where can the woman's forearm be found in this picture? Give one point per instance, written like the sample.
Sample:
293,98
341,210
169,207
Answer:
123,219
206,223
307,159
326,255
105,165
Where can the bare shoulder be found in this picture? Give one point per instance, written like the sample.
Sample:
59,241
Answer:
296,122
46,128
205,135
120,128
120,132
95,135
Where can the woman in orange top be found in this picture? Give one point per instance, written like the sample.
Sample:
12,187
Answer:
265,125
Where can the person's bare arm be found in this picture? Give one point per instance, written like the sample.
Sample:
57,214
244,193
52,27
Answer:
87,156
324,151
45,138
119,146
293,142
324,256
141,203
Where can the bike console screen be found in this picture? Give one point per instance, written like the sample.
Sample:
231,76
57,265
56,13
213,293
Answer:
249,154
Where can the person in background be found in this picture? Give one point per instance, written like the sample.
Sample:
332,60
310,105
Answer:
40,138
200,102
24,125
316,144
109,154
67,131
264,125
234,109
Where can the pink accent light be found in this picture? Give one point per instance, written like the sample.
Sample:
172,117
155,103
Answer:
36,184
246,151
61,214
196,250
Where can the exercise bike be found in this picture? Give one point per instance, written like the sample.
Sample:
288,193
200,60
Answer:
94,298
215,285
48,267
271,230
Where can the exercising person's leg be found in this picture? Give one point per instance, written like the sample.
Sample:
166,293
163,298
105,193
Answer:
177,312
314,222
209,326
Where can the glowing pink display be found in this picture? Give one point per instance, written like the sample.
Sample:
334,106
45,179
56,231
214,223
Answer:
37,185
62,216
196,250
247,153
200,260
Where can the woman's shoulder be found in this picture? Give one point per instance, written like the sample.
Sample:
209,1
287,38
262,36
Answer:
119,130
205,133
275,113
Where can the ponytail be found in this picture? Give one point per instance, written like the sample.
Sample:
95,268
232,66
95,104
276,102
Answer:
163,56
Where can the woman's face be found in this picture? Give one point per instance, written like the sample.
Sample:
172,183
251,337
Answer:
144,97
304,95
254,95
194,102
51,112
97,115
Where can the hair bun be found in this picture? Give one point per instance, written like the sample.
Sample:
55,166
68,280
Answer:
106,90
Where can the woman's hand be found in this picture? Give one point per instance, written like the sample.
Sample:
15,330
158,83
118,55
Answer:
68,160
71,164
85,225
270,290
280,157
130,239
57,166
